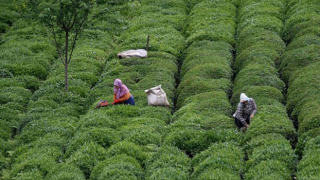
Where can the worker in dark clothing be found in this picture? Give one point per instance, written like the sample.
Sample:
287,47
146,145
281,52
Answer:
246,110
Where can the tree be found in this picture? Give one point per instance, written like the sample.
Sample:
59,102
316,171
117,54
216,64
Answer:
66,20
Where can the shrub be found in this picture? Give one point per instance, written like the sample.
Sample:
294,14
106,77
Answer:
34,161
212,173
15,94
209,71
163,38
298,19
269,23
87,156
253,55
140,135
309,165
194,120
3,162
195,140
208,103
255,38
118,167
33,174
262,95
130,149
167,157
156,124
282,152
38,128
66,172
305,40
270,169
227,157
156,112
105,137
308,121
259,75
249,9
224,26
36,70
271,123
196,86
168,173
264,140
297,59
55,141
5,73
97,119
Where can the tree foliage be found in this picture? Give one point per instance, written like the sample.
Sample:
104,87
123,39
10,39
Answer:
66,20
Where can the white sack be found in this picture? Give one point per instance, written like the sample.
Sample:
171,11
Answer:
133,53
156,96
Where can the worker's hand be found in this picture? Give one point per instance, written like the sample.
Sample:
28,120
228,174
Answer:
115,102
247,126
251,116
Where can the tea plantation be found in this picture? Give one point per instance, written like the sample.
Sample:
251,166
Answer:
204,53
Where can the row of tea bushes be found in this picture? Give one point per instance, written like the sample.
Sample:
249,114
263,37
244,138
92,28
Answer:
203,120
52,115
268,140
25,58
132,136
300,68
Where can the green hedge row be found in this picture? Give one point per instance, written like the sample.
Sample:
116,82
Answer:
259,47
204,115
131,135
52,115
299,66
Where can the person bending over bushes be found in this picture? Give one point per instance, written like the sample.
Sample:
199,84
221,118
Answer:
246,110
121,93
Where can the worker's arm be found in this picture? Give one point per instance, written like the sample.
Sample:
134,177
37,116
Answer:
239,116
121,99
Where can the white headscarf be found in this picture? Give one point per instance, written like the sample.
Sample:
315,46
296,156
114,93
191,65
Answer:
243,97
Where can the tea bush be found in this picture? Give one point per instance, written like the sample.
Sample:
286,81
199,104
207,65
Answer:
161,37
266,123
255,55
204,104
305,39
259,75
34,129
224,157
87,156
224,26
270,169
259,38
194,120
309,164
262,95
40,160
197,85
140,135
282,152
128,148
165,158
118,167
105,137
297,59
65,171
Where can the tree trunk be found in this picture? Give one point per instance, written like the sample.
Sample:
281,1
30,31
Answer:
66,85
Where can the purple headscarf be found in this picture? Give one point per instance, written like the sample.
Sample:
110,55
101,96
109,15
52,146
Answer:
122,89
